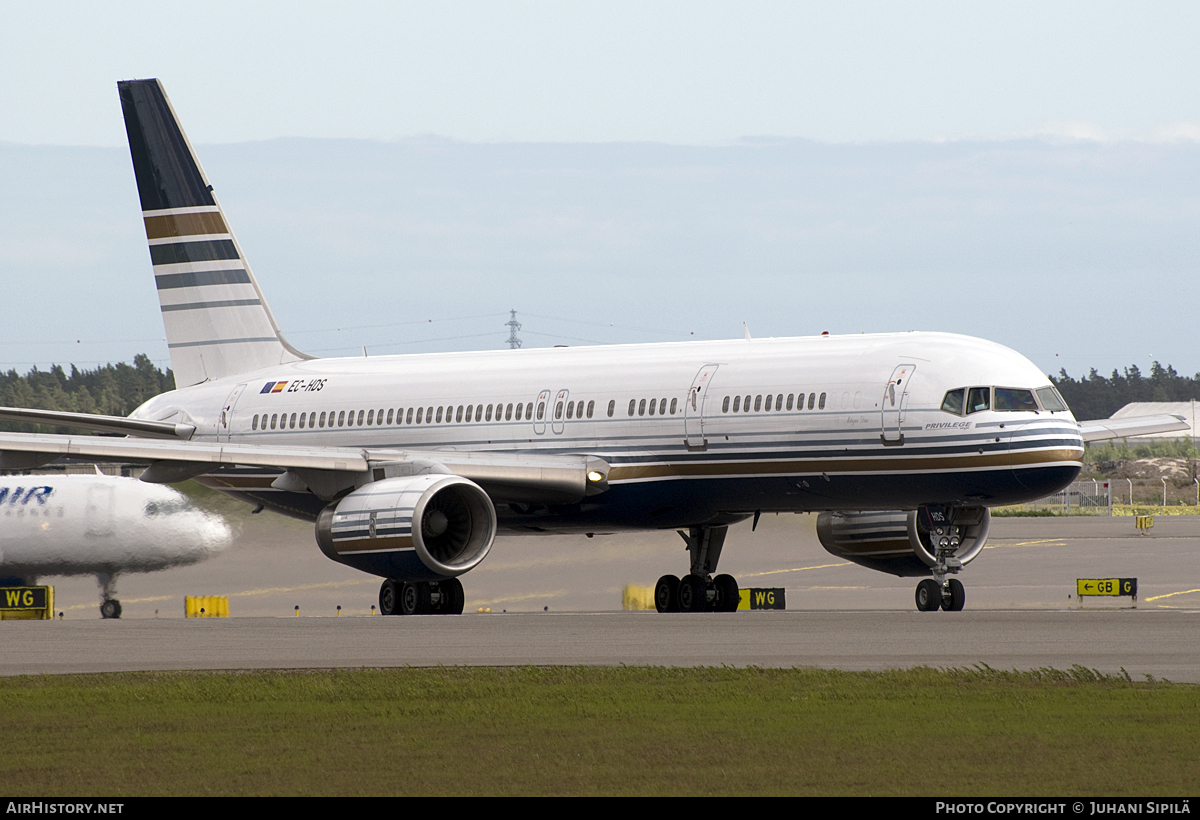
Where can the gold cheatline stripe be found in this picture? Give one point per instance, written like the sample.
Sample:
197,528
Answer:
836,466
390,542
160,227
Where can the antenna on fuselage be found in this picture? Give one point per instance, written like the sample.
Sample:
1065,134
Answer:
514,326
746,327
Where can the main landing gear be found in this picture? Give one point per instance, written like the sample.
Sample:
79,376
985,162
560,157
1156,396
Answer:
110,607
698,591
421,597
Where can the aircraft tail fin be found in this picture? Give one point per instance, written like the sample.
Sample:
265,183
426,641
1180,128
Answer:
217,321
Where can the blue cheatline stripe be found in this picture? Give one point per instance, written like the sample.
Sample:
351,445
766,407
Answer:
204,251
224,342
220,304
166,281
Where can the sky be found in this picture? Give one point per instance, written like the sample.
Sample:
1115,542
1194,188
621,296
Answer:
1109,92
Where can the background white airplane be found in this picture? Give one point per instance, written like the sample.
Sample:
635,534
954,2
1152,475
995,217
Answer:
99,525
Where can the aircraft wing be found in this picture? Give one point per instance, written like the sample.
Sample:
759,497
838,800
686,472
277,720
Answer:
1102,429
326,471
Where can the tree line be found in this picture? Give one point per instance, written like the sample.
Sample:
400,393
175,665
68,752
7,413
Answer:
1097,397
110,390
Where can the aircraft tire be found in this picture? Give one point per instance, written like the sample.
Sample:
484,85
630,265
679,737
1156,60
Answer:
693,594
929,596
453,597
414,598
389,598
958,597
666,594
727,593
110,608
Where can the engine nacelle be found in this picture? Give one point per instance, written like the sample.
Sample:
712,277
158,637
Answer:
414,528
904,542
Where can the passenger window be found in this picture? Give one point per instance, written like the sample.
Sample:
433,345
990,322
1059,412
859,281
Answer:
274,417
558,410
479,412
570,409
391,412
440,413
953,403
812,398
674,403
632,406
508,413
821,403
662,406
341,417
591,407
303,418
978,398
653,404
529,410
724,405
420,414
370,418
409,416
612,407
254,423
789,403
360,417
321,421
642,407
757,403
541,411
458,414
488,415
737,404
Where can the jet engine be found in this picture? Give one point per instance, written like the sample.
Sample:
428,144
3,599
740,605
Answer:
905,542
413,528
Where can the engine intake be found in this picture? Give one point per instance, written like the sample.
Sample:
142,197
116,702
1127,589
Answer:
414,528
905,542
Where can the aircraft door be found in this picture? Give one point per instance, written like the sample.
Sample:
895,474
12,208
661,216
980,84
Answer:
693,408
894,404
557,423
541,408
225,420
100,511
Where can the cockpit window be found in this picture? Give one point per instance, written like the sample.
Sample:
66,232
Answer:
978,398
953,403
1008,398
1050,399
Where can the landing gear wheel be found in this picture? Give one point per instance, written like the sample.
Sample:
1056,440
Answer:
453,597
693,594
389,598
414,598
929,596
727,593
666,594
110,608
958,596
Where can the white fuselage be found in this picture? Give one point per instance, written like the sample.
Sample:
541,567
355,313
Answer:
99,525
694,432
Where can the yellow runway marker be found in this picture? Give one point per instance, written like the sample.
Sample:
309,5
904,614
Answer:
1169,594
793,569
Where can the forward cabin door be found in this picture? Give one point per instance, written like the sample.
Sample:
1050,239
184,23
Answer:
895,402
693,408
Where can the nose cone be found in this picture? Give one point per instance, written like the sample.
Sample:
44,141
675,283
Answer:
1046,454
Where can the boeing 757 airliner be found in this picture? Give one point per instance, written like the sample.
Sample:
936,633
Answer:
410,465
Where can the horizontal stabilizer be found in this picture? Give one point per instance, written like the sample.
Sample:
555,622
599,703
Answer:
1102,429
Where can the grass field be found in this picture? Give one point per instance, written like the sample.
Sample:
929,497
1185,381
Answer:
613,731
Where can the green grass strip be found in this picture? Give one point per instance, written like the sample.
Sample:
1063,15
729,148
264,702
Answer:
604,731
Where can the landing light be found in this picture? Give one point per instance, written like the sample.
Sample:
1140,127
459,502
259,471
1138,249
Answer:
595,475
